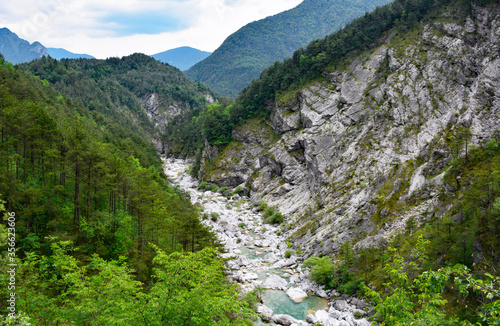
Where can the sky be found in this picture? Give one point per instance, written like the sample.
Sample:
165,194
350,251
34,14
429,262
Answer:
110,28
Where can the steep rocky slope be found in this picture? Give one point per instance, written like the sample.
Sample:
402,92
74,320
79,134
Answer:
353,157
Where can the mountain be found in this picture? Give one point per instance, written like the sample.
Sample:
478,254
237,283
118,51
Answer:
76,185
380,145
16,50
254,47
183,58
59,54
134,91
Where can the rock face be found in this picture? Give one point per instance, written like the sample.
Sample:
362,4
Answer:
332,158
160,113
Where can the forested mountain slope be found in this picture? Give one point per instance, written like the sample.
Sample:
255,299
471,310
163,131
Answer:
134,91
385,134
99,235
244,54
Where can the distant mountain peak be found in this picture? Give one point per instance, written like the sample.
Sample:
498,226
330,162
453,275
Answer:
16,50
58,54
183,57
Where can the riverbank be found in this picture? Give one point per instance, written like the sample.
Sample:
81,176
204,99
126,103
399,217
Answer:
258,260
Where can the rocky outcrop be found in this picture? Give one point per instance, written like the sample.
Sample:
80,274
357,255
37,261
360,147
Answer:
377,132
160,112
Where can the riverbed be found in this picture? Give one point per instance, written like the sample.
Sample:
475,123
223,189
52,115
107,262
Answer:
258,253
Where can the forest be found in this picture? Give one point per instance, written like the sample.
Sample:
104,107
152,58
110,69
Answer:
94,208
251,49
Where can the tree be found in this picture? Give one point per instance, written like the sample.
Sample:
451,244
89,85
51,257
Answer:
191,289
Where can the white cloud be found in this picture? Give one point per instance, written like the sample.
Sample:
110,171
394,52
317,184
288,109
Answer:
84,26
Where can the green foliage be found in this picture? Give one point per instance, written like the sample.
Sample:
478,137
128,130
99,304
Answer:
238,190
262,206
208,186
339,275
275,218
271,215
321,269
216,125
65,174
214,216
112,91
186,289
242,225
416,296
192,289
289,253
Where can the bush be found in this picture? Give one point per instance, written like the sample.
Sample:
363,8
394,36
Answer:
352,287
262,206
268,212
275,218
203,185
213,188
289,253
321,269
242,225
214,216
208,186
238,190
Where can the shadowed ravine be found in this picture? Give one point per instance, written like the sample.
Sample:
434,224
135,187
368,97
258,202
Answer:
259,256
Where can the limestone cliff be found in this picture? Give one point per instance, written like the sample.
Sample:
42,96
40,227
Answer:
160,112
354,157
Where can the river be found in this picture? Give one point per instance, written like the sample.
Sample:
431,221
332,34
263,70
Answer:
258,252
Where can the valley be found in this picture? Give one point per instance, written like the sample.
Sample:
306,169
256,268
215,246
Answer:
356,182
258,259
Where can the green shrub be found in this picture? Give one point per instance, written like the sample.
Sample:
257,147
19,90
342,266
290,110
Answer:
203,185
262,206
289,253
321,269
242,225
238,190
213,188
275,218
268,212
352,287
214,216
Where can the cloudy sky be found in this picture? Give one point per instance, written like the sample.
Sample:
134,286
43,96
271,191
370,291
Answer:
105,28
